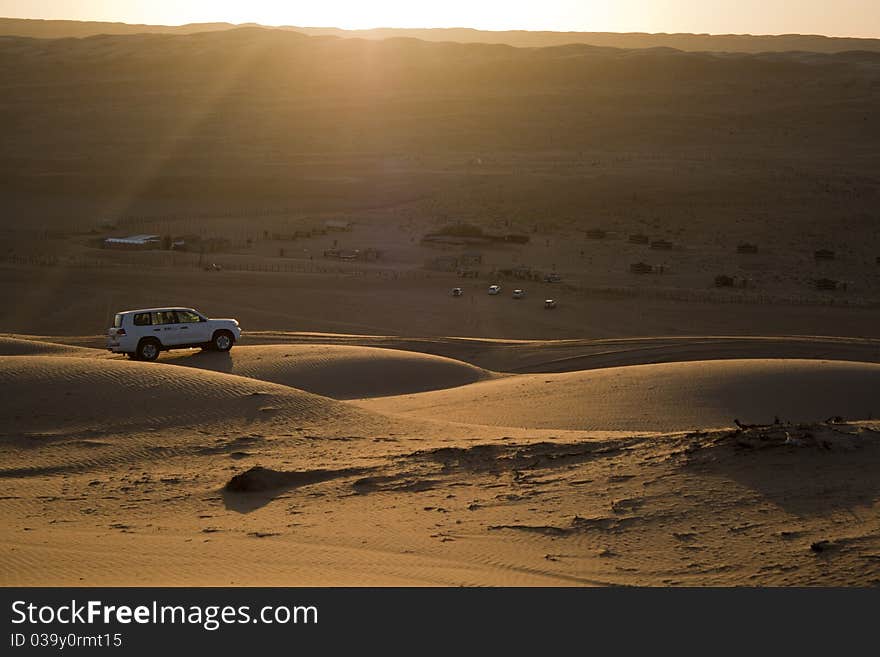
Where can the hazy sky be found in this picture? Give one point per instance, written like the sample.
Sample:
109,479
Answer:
839,18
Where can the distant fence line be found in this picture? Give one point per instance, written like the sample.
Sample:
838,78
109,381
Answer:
704,296
291,267
322,267
291,213
202,223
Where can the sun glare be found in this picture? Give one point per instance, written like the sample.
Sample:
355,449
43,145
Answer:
851,17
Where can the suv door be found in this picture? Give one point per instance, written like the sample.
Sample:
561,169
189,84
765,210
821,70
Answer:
165,327
192,329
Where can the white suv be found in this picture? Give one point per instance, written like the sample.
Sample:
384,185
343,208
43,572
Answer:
142,334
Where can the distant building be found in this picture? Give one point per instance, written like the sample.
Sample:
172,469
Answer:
597,234
443,263
641,268
465,262
724,281
470,259
827,284
824,254
287,237
663,245
338,224
746,247
134,242
638,238
525,272
353,254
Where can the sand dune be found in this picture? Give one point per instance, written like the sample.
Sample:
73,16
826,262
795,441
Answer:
63,415
532,356
341,372
166,474
75,394
660,397
726,508
14,346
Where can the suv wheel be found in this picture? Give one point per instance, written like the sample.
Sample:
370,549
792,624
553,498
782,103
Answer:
148,349
222,341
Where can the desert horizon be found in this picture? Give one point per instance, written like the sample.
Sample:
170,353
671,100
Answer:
523,38
516,308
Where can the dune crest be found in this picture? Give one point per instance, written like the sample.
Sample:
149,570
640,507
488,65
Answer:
71,395
657,397
13,346
339,371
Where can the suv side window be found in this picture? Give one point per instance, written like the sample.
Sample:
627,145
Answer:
187,317
164,317
142,319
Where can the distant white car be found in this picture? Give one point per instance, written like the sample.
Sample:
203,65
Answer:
142,334
549,304
494,289
518,294
457,292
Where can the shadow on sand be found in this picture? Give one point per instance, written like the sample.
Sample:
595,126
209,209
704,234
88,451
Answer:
813,471
216,361
258,486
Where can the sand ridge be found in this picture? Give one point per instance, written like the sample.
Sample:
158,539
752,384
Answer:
566,355
17,346
47,391
337,371
657,397
79,414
